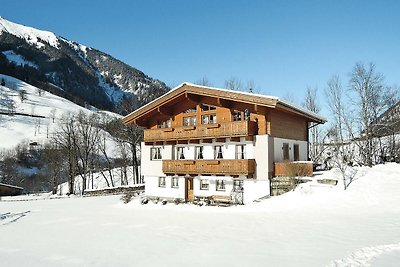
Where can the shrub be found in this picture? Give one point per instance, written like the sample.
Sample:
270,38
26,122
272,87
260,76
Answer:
127,197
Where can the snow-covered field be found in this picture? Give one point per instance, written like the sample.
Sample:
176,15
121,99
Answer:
17,128
311,226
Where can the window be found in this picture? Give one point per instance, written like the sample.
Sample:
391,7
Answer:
296,152
155,153
237,115
161,181
205,107
240,152
218,152
180,153
237,185
285,149
204,184
199,152
167,123
164,124
175,182
220,185
209,119
190,110
189,121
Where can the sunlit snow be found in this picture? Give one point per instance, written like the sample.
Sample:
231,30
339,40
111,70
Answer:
311,226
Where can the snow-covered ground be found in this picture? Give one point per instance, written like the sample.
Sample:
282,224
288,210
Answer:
315,225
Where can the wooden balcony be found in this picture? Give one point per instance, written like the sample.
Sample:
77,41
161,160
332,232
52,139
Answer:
222,167
203,131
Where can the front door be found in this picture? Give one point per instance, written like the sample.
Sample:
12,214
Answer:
189,189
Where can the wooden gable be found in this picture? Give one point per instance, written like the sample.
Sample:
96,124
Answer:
172,105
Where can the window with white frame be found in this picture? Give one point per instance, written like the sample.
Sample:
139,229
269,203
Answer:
155,153
161,181
204,184
189,121
199,152
180,153
240,151
220,185
175,182
218,152
209,119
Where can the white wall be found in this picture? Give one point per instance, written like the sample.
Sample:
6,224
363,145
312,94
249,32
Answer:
278,149
261,156
154,167
153,190
212,189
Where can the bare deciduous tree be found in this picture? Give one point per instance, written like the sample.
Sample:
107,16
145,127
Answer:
316,148
234,84
342,152
204,81
85,138
64,138
371,98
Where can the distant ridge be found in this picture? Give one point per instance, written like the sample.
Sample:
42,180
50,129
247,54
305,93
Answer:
72,70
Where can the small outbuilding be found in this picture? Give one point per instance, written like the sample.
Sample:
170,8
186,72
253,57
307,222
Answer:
10,190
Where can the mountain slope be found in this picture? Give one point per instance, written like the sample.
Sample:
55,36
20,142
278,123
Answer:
35,117
72,70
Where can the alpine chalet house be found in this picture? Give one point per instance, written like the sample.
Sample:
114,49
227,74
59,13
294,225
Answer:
203,143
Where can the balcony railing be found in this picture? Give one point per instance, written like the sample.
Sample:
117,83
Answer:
223,166
221,130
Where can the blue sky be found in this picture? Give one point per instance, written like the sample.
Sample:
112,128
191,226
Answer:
283,46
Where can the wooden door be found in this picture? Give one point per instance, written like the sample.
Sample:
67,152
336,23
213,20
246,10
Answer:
189,189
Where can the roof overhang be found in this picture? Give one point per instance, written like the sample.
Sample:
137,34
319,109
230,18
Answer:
192,92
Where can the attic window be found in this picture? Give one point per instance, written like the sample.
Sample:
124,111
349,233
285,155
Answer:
190,110
205,107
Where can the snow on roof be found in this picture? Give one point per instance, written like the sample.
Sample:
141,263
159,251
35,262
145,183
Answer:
279,100
30,35
11,186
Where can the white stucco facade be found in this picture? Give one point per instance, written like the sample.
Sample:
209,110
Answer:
264,149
